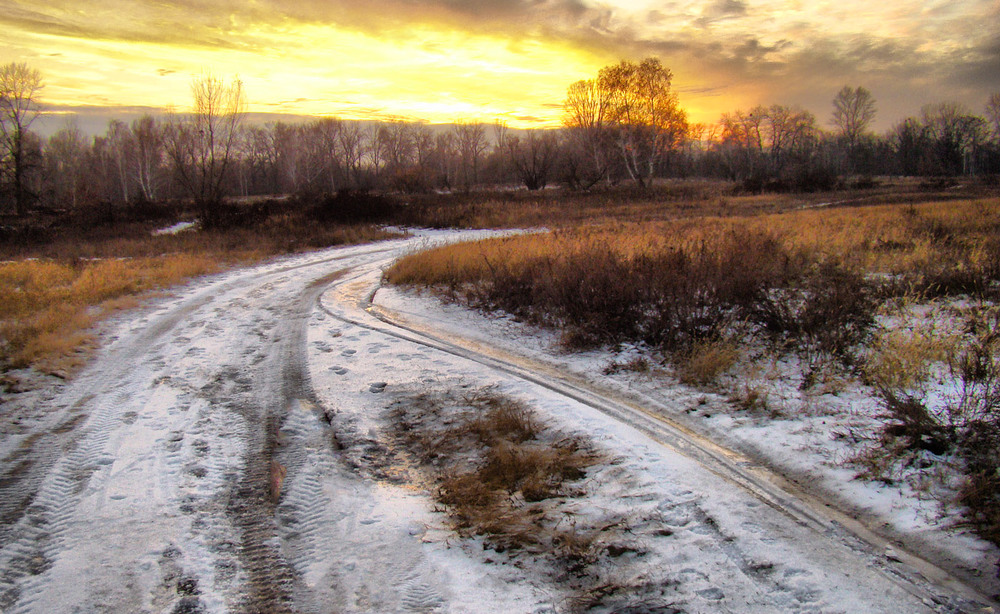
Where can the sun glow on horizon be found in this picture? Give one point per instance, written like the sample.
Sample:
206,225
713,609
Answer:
423,74
442,61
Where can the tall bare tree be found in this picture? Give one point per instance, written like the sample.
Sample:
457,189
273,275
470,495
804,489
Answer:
65,161
993,115
533,157
202,146
587,115
121,149
147,140
470,140
19,88
853,112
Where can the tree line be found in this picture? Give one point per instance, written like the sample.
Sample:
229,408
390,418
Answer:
624,125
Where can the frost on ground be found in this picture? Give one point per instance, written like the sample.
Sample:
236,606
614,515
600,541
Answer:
820,436
237,448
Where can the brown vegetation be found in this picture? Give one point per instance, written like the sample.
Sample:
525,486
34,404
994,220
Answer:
811,282
495,467
59,276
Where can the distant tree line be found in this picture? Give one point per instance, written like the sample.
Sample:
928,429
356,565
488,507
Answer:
624,125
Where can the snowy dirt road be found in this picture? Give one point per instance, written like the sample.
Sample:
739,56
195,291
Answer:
227,452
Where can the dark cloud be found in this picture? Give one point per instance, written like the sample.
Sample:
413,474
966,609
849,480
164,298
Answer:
721,10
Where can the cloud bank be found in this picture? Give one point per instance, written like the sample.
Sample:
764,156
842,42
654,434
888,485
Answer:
513,59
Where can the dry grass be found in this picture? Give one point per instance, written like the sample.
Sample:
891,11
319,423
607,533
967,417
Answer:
809,277
809,281
666,200
498,470
705,361
58,277
47,307
905,357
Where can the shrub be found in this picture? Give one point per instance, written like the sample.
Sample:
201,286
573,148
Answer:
705,361
352,207
828,312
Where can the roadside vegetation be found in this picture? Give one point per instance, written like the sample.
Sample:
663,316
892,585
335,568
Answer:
62,274
844,292
507,478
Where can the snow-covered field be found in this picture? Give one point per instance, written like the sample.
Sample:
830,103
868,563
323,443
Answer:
227,451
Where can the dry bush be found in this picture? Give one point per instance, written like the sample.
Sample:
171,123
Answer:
967,426
904,358
705,361
669,288
638,364
829,311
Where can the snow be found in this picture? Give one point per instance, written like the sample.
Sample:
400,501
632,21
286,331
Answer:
175,228
148,473
802,439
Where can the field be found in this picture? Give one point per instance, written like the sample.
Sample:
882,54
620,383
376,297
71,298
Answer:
897,299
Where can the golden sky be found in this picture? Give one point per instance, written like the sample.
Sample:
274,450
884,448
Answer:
482,60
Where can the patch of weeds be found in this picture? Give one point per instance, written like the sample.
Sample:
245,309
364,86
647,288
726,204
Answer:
965,427
904,358
638,364
751,398
828,313
495,466
502,474
704,361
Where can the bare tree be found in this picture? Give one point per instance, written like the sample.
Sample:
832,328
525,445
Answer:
533,157
956,137
470,140
202,146
19,88
789,131
352,150
445,156
742,142
121,149
259,168
329,129
587,115
993,116
853,112
147,140
65,161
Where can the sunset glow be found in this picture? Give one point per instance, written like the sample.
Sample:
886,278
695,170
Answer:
512,60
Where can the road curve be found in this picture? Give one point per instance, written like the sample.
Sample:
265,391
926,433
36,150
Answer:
212,458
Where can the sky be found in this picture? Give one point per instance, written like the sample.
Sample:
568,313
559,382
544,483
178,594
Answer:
510,60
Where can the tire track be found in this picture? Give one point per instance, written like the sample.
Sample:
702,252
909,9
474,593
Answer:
912,573
40,492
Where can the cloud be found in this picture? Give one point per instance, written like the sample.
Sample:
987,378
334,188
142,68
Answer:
721,52
721,10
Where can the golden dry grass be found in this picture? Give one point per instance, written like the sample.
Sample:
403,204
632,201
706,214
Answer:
53,290
47,307
707,360
493,464
887,239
